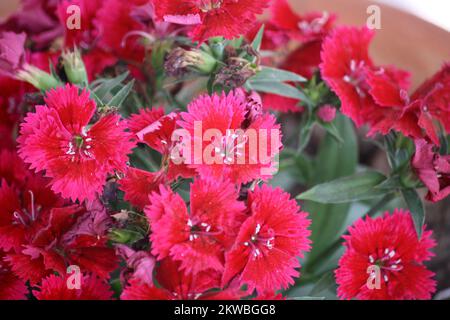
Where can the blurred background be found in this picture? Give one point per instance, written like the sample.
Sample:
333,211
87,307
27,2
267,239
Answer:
414,35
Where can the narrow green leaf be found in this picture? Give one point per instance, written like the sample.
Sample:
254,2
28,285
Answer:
344,190
332,130
256,44
278,88
332,162
107,86
120,97
327,281
416,207
267,74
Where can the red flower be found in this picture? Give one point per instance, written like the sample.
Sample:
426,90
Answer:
139,184
56,288
60,237
233,145
310,27
384,260
433,170
11,287
76,157
22,203
265,253
114,21
345,58
178,285
154,128
211,18
431,104
196,239
157,130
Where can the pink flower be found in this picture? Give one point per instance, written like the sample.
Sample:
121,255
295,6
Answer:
197,239
211,18
433,170
56,288
12,53
141,264
237,148
75,156
265,253
390,246
38,19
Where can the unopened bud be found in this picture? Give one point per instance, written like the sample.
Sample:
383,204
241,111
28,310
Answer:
236,73
181,61
327,113
74,67
37,77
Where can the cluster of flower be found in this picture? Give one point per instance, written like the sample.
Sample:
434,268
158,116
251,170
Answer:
65,160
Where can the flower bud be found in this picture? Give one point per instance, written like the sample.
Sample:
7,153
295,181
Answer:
74,67
327,113
236,73
180,61
37,77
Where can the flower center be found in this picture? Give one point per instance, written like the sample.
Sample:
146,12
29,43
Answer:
356,77
316,25
208,5
231,145
389,261
81,146
261,241
198,229
25,216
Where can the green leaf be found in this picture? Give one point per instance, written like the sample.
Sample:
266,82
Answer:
120,96
344,190
267,74
326,282
333,161
107,86
416,207
332,130
256,44
278,88
306,126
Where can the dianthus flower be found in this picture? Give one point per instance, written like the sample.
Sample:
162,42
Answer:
75,155
384,260
266,250
212,18
56,287
197,238
309,27
433,169
11,287
226,139
178,285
